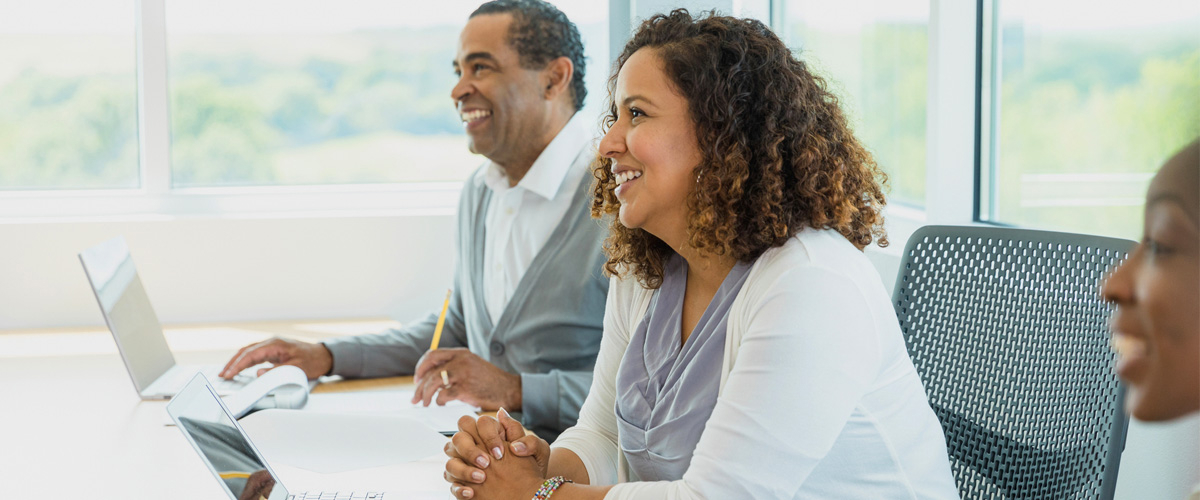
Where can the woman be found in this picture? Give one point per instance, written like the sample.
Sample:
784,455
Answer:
750,349
1156,327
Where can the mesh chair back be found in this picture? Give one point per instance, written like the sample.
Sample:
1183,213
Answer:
1009,334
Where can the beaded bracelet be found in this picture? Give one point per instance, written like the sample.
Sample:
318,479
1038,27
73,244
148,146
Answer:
548,487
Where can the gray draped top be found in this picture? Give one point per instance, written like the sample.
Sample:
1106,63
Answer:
667,391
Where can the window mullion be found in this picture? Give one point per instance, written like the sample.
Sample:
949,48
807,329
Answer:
950,139
153,121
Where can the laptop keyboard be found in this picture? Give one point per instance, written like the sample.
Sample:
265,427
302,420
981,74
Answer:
316,495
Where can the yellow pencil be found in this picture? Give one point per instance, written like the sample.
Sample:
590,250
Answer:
437,332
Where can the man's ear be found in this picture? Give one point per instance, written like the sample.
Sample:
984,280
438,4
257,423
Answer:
556,77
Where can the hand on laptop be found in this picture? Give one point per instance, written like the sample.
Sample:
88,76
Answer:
314,359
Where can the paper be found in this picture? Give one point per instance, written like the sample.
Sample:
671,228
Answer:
330,443
440,418
286,381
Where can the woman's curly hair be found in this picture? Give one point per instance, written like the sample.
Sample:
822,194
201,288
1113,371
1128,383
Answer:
778,154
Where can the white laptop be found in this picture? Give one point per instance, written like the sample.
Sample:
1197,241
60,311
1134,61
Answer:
227,451
136,329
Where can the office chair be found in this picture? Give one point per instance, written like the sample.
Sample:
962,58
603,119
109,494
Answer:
1009,334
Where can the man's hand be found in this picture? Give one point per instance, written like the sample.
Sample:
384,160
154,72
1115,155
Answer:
258,486
472,381
314,359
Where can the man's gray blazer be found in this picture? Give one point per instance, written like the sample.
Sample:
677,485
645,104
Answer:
549,332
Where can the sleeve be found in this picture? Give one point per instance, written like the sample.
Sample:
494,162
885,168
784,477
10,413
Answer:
594,437
809,354
396,351
551,400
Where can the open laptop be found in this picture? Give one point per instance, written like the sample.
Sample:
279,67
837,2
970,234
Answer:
136,329
227,451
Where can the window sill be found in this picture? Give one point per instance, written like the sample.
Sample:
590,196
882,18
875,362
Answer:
434,198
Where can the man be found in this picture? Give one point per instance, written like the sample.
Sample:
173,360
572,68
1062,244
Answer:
524,322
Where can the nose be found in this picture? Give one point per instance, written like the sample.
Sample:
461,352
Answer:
1117,288
613,142
461,89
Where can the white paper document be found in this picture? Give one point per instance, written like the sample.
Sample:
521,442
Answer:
440,418
337,442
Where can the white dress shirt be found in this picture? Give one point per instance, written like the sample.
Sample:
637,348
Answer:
818,397
520,218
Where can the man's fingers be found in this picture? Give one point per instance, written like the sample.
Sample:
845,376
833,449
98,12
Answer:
430,388
418,391
263,351
458,470
433,359
235,365
491,436
513,429
234,358
423,392
446,395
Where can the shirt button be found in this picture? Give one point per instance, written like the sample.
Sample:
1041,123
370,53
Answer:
509,211
497,348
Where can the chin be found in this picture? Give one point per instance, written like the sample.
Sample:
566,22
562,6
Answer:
477,147
1147,408
626,220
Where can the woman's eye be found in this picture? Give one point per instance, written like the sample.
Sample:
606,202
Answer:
1156,248
636,113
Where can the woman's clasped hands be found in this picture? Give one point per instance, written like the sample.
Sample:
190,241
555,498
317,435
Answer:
493,458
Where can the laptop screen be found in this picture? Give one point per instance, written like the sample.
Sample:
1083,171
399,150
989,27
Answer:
127,311
222,444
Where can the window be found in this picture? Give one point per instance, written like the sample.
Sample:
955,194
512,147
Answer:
873,55
332,93
68,95
1082,105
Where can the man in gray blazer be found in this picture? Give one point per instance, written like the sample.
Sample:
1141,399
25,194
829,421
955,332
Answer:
524,321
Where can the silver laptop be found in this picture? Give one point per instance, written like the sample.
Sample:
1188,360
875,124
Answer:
136,329
227,451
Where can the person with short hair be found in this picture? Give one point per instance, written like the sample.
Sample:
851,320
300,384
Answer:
523,325
1156,325
750,349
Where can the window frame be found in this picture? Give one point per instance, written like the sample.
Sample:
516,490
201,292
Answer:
156,198
953,139
952,123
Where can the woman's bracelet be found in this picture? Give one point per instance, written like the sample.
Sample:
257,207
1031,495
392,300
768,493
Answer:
549,486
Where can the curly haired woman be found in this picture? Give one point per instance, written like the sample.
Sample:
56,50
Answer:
750,349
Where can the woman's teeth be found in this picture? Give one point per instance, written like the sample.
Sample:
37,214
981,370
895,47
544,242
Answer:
1126,346
478,114
627,176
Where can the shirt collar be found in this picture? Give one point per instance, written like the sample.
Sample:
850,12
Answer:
547,173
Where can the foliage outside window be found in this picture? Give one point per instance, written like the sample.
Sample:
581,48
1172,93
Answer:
874,56
333,93
1091,102
68,95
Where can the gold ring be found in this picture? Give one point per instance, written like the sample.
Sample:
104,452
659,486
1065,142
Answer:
445,379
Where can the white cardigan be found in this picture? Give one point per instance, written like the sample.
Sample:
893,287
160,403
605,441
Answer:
818,397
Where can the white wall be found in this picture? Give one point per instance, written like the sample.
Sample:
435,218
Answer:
230,269
1160,460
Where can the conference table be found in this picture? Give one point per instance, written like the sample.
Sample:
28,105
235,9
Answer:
71,424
